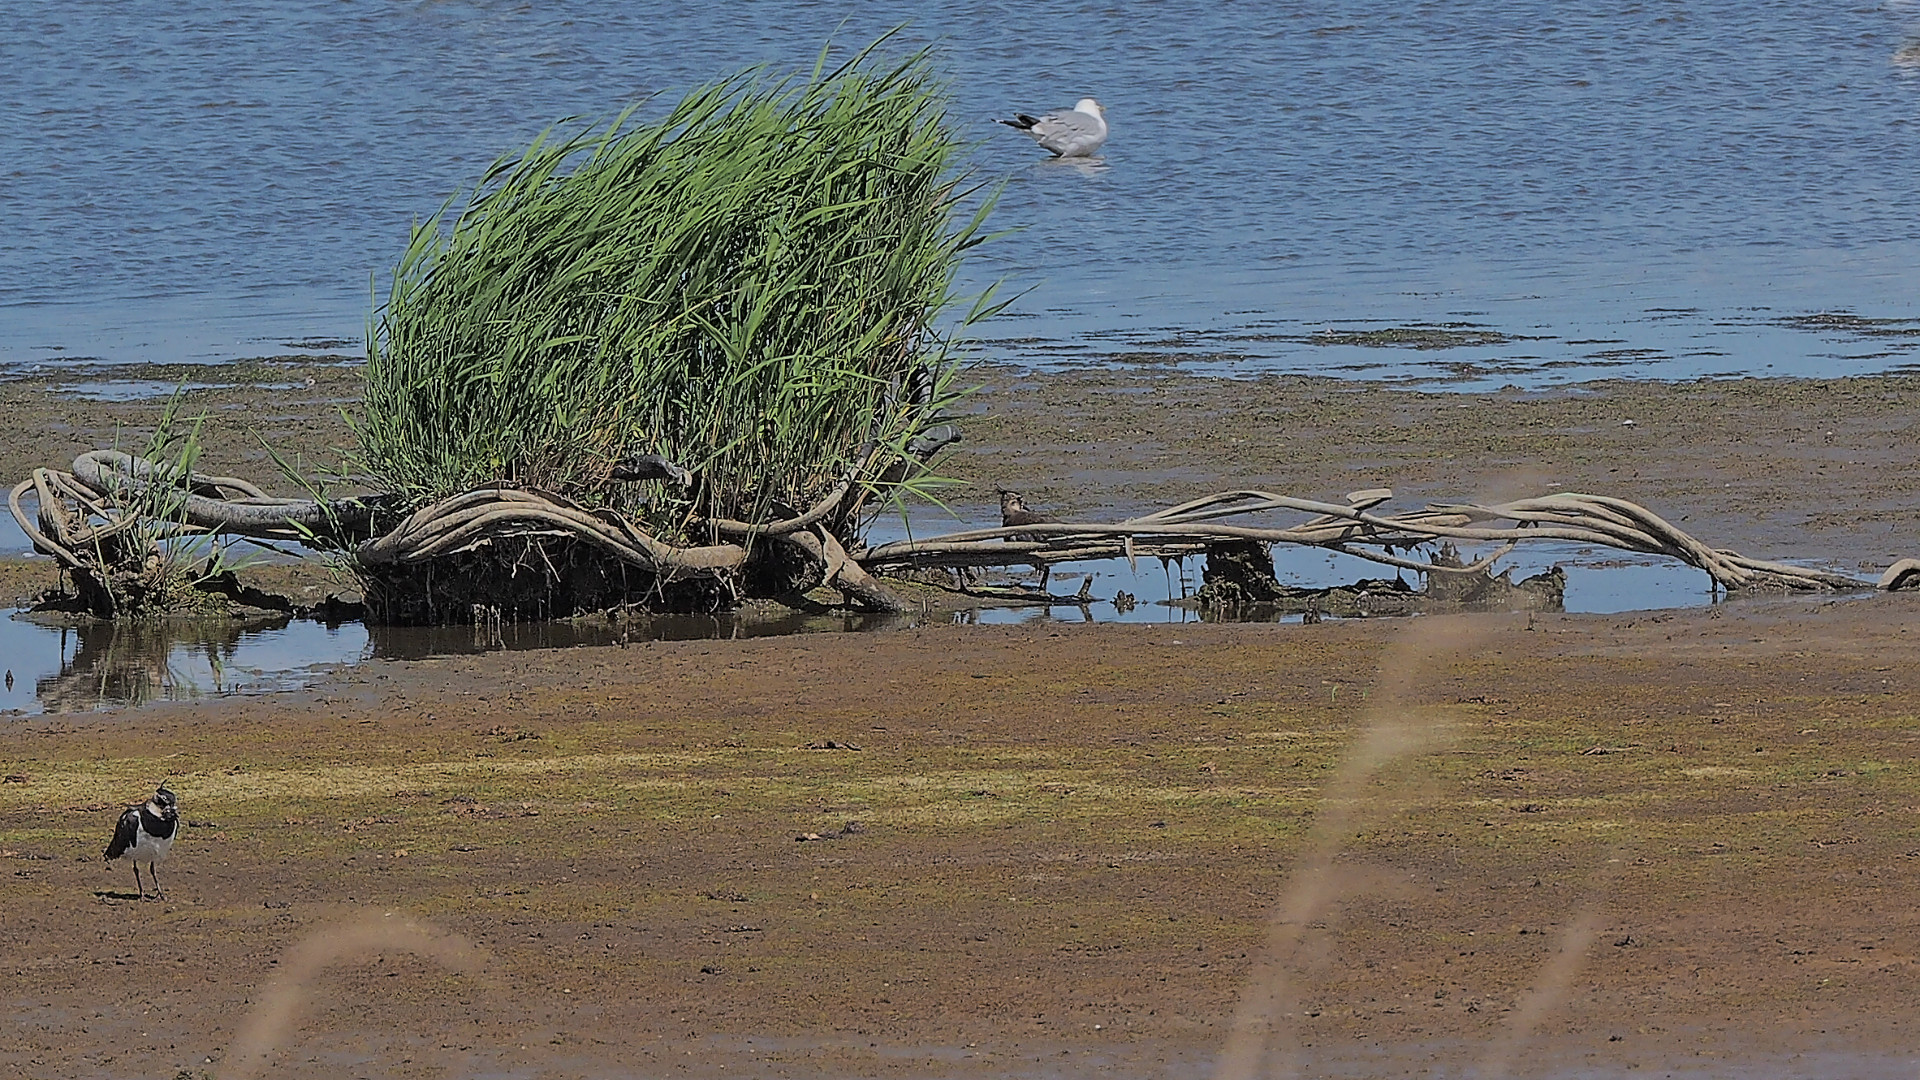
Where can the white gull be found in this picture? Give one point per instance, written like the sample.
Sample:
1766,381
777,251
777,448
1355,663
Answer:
1075,132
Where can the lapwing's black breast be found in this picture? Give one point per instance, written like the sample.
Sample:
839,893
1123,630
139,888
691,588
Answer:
125,835
157,827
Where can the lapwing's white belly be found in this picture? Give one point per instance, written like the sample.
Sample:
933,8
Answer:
149,849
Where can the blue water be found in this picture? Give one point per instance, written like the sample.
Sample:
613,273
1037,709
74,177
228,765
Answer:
105,665
1643,188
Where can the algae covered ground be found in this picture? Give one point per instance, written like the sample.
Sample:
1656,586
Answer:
1680,841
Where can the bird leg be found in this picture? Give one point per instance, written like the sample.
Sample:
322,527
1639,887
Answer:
138,886
153,871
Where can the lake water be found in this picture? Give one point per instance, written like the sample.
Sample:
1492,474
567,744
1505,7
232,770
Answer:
1657,189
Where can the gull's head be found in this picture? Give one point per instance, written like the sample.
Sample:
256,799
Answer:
1091,107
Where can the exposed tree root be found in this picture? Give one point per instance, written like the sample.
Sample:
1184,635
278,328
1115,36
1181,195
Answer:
1351,529
552,556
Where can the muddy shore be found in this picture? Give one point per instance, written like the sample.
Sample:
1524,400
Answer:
1821,469
1552,846
1678,842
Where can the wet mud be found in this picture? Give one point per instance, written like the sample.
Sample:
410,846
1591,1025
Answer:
1532,844
1816,469
1601,843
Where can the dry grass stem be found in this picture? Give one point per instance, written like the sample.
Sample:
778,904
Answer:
277,1013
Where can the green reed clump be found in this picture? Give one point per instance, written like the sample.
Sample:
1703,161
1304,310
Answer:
748,286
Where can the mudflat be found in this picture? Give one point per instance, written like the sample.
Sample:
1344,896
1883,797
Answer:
1680,841
1529,845
1820,469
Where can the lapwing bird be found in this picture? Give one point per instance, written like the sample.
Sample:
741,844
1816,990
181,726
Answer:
1068,133
1014,512
144,835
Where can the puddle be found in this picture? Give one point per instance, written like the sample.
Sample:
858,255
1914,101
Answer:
1600,580
104,666
130,390
422,642
13,542
123,390
58,670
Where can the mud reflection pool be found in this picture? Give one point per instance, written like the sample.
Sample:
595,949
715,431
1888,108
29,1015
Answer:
77,669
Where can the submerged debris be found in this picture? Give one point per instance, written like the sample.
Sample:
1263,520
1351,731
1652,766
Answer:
1849,323
1442,336
503,554
1239,579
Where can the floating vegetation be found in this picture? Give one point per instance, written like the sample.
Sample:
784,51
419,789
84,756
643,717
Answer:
1853,325
1451,335
1419,336
319,344
1622,357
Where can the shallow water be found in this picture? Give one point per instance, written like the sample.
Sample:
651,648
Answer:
101,666
118,390
1638,189
13,542
104,666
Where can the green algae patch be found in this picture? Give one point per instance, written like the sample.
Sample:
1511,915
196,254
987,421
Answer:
1420,336
1855,325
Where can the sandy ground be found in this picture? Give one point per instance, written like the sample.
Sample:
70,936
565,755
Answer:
1679,843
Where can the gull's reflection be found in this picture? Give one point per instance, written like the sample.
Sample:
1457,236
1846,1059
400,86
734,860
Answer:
1085,166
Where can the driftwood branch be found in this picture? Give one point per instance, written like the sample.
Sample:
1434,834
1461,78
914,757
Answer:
1354,529
82,512
478,517
843,573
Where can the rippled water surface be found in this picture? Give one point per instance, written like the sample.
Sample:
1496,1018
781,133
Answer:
1650,188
